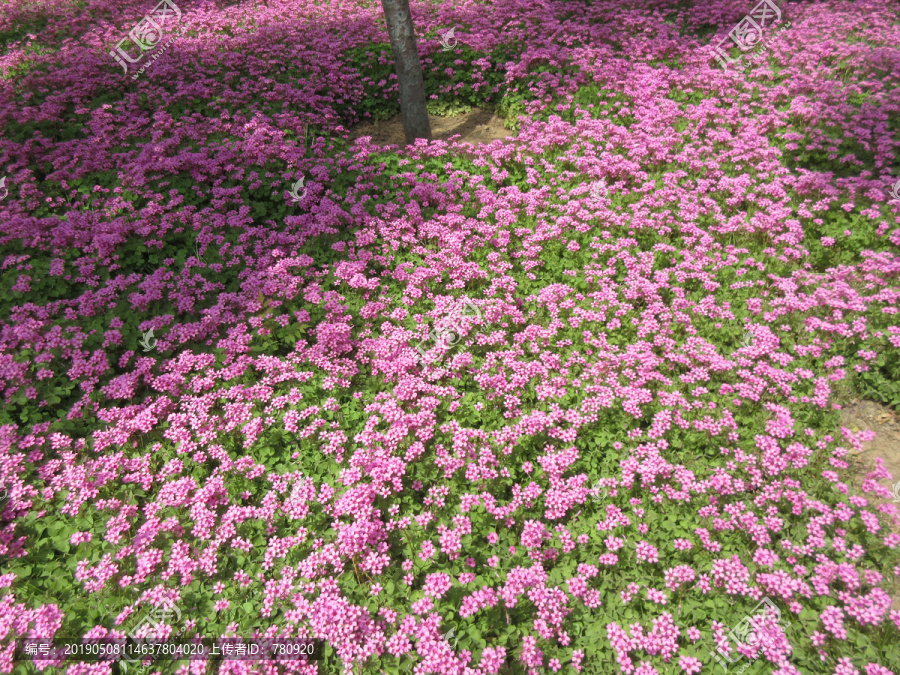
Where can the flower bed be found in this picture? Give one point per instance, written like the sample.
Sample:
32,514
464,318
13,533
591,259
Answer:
230,411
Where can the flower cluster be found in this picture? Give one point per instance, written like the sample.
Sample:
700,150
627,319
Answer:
643,432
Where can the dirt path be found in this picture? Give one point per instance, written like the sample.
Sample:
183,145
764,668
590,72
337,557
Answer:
860,415
478,126
885,423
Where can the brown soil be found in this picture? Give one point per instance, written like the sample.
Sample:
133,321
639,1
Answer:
478,126
885,422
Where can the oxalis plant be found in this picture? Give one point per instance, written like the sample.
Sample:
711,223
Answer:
566,402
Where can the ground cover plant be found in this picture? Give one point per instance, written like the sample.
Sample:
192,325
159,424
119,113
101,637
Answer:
231,406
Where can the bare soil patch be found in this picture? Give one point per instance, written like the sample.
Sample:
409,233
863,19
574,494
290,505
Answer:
476,127
868,415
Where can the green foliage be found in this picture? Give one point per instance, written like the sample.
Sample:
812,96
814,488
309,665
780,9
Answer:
602,102
48,573
882,381
32,22
470,85
375,65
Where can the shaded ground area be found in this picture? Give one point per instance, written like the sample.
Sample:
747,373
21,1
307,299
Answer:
478,126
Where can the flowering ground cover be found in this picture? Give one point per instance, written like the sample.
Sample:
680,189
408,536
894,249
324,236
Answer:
223,399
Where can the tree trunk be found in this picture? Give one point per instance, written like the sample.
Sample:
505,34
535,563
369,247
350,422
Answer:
409,70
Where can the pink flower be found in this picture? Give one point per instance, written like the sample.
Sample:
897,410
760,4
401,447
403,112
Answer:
647,552
436,585
833,620
534,533
80,538
845,667
492,659
657,596
422,606
690,665
577,657
428,549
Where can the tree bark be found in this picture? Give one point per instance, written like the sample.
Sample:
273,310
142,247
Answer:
409,70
